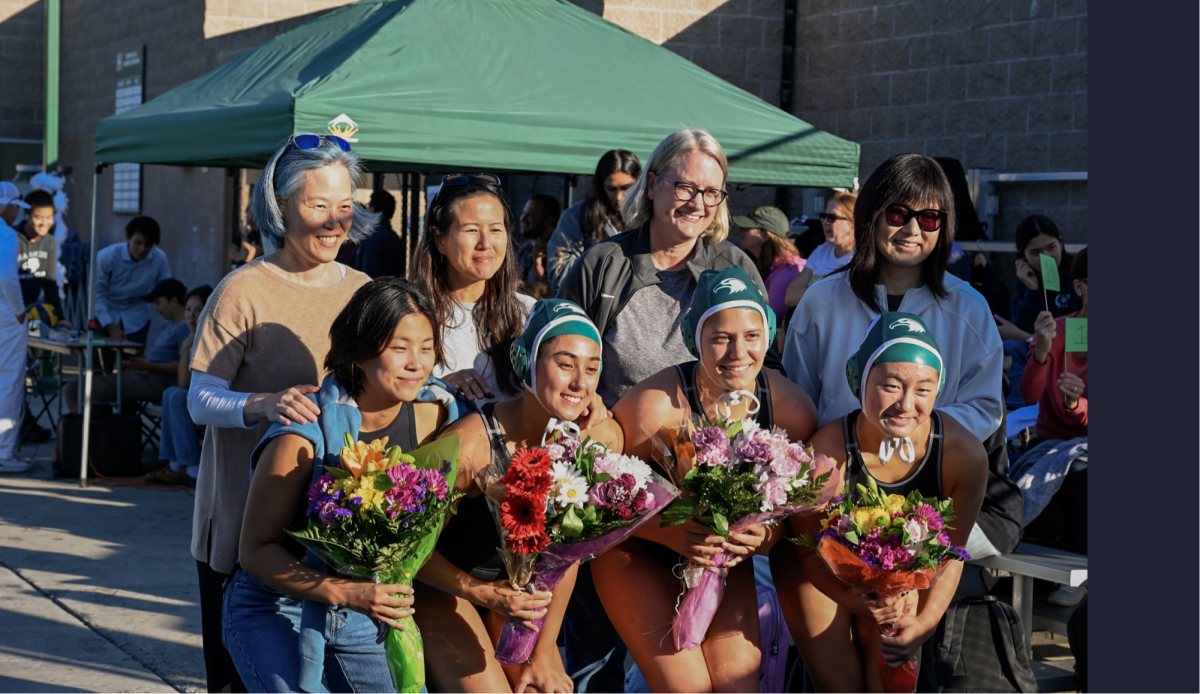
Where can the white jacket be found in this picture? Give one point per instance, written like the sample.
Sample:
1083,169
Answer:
829,325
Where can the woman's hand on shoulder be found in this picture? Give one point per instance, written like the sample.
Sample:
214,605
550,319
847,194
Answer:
470,383
596,413
387,602
284,407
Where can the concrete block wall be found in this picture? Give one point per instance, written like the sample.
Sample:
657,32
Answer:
22,69
998,84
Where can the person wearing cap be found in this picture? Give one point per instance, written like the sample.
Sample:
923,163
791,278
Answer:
898,439
463,590
145,378
727,330
125,272
765,237
13,337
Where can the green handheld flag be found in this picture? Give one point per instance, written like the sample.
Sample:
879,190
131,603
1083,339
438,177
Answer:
1076,337
1050,273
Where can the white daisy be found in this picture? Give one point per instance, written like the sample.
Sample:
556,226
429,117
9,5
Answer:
572,492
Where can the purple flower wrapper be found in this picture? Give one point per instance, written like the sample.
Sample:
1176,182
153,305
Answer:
704,588
517,642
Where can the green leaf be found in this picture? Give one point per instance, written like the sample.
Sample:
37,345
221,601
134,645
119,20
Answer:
680,511
691,475
349,440
601,478
337,472
572,526
851,537
734,429
720,524
383,483
589,514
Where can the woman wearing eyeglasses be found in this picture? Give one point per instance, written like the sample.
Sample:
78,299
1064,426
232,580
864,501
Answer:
636,287
903,227
258,351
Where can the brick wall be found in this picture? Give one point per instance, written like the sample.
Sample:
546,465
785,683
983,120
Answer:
1000,84
22,77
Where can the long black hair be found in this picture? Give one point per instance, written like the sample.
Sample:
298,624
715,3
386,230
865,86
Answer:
365,327
499,318
597,212
1036,225
908,179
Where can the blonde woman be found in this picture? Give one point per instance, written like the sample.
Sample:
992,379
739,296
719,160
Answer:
636,287
837,221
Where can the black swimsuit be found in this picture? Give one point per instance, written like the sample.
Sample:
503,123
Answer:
471,539
926,479
765,419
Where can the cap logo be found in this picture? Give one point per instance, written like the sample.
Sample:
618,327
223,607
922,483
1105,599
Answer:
911,325
756,211
567,307
733,284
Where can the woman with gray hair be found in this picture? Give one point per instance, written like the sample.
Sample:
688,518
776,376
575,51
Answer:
262,338
636,287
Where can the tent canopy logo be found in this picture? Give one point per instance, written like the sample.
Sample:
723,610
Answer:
344,127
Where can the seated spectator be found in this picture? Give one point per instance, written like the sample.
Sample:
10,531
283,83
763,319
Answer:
538,221
1036,235
37,254
764,237
146,378
126,272
597,218
180,441
382,254
1053,472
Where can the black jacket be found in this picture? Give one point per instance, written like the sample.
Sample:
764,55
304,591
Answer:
610,272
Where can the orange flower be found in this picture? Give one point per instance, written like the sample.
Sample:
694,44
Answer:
364,457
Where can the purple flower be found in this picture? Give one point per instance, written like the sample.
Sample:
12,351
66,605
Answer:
932,518
618,496
329,512
712,446
435,483
318,490
570,445
752,450
408,490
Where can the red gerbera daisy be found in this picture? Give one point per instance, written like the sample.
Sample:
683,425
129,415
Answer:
529,545
529,473
522,516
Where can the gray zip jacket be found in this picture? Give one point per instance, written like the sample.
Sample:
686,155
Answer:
612,271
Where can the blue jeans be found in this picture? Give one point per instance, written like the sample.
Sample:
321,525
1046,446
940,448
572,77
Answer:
595,653
180,442
261,629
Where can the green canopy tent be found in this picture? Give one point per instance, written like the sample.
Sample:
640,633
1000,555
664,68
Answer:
487,85
468,85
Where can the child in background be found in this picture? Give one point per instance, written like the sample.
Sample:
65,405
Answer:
37,254
180,443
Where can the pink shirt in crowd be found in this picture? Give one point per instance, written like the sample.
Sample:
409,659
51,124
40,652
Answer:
1040,382
783,271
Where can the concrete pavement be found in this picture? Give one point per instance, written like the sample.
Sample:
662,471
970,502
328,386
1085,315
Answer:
97,586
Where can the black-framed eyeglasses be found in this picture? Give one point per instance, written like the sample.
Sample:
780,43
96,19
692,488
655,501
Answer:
898,215
686,191
458,179
831,218
313,141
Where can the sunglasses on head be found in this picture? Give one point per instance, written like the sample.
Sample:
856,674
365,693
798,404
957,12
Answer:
312,141
898,215
463,179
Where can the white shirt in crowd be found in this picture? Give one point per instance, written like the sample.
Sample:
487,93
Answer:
461,346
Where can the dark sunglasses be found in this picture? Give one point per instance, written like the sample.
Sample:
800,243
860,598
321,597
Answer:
831,218
898,215
464,179
311,141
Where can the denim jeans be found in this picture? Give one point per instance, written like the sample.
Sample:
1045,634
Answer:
1019,351
595,653
261,629
180,442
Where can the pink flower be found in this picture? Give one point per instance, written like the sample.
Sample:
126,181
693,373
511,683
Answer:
557,451
712,446
930,515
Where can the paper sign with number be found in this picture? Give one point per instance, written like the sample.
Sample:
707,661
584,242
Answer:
1076,337
1049,273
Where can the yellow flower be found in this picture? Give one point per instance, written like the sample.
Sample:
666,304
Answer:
895,503
364,457
830,519
870,518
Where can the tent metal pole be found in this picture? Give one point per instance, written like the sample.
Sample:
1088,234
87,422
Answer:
87,343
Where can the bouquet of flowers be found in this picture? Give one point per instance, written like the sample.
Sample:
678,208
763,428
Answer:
737,474
377,515
563,504
891,544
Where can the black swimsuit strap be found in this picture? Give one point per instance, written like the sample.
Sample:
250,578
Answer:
766,414
855,465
